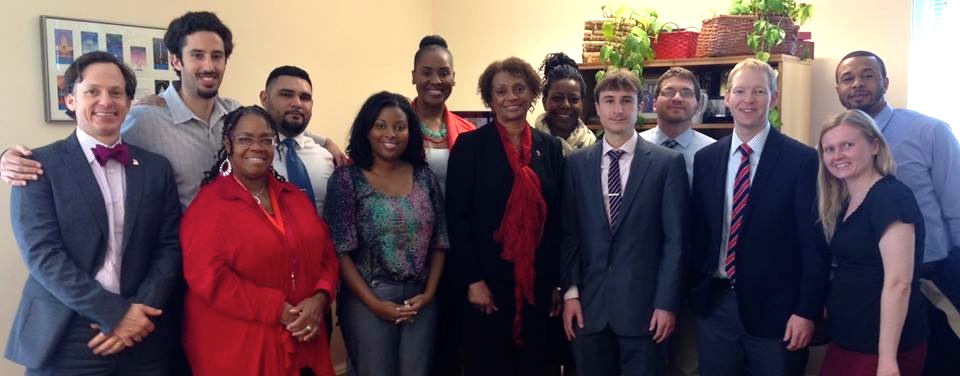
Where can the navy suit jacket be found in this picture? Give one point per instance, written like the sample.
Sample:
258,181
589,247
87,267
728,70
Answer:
624,273
782,266
60,224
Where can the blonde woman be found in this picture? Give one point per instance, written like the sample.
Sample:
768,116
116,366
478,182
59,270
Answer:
875,231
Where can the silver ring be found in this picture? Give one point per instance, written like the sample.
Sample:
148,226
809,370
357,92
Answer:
309,328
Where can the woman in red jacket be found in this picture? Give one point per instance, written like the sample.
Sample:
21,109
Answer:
259,263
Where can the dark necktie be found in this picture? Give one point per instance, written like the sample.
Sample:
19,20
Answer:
614,190
741,193
671,143
120,153
296,171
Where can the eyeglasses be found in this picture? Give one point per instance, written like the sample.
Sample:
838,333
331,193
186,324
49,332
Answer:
670,93
247,141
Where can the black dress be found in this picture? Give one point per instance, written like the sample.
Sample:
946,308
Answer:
853,306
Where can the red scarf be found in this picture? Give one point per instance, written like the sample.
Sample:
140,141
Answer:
522,225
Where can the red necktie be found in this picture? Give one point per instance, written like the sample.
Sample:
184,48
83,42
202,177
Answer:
741,193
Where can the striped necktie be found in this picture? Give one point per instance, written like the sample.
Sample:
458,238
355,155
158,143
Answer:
614,190
296,171
741,193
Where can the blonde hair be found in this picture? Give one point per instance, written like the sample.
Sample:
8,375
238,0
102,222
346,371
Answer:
754,65
831,191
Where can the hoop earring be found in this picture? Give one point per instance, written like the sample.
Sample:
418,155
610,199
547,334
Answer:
225,167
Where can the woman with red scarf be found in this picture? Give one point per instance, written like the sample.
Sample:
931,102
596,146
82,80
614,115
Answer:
503,213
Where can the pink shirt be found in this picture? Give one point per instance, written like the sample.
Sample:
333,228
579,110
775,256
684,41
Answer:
113,186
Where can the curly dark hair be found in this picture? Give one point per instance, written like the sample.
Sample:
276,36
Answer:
358,147
191,22
432,43
229,122
515,66
558,66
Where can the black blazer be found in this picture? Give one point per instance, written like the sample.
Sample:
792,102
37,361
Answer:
60,224
782,266
479,180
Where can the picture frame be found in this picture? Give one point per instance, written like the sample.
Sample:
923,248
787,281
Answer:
64,39
647,99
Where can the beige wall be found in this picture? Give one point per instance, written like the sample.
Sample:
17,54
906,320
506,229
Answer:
355,48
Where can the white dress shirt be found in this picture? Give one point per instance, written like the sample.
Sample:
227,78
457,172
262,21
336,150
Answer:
756,144
112,180
318,162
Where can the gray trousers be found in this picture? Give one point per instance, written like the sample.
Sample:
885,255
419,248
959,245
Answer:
379,347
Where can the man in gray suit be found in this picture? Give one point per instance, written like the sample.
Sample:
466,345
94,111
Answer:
625,202
98,232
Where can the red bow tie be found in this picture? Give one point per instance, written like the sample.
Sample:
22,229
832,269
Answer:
120,153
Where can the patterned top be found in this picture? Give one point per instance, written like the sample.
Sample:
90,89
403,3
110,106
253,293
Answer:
387,237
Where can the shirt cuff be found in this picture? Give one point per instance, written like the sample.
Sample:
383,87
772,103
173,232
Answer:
572,293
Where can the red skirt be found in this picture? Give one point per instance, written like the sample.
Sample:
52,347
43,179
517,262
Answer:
842,362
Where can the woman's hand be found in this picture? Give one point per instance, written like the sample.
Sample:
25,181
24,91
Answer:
416,303
480,296
888,367
287,316
310,313
391,312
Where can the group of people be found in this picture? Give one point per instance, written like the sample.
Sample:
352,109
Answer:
188,233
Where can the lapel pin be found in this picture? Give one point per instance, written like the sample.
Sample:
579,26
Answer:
136,162
538,153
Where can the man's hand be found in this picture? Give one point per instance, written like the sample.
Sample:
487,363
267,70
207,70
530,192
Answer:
151,100
105,344
572,311
662,324
480,296
556,303
339,158
310,313
799,332
16,169
135,324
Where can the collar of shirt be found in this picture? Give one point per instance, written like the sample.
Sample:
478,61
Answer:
87,143
302,140
683,139
628,147
883,117
180,113
756,144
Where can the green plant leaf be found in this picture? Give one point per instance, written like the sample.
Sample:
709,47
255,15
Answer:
774,118
599,75
631,44
763,56
609,29
753,41
605,52
615,58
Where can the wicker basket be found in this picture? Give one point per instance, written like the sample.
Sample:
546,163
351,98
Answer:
679,44
726,35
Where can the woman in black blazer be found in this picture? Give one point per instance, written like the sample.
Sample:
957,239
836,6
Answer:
503,210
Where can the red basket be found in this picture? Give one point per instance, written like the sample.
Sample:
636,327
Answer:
677,44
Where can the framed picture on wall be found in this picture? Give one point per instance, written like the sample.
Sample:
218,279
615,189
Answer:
64,39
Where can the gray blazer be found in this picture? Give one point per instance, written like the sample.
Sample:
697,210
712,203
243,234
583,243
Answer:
60,225
624,273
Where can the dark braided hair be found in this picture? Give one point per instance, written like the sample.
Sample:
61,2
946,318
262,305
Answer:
431,43
230,121
558,66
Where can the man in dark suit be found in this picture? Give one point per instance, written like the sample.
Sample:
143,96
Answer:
98,232
759,273
625,203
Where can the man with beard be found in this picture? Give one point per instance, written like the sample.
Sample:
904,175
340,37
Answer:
928,161
185,122
288,98
676,101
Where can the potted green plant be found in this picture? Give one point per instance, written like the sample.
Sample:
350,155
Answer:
768,31
628,34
